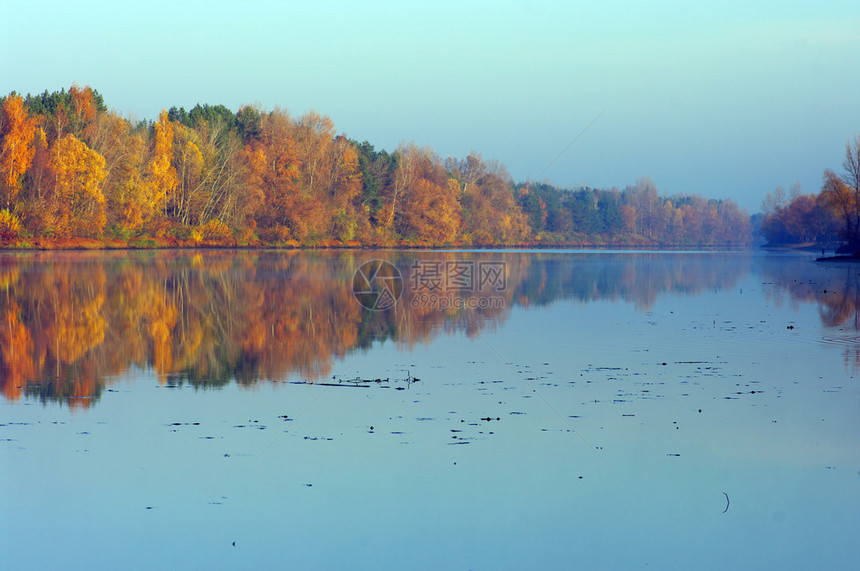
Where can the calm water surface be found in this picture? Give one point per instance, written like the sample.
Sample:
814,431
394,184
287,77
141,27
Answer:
511,410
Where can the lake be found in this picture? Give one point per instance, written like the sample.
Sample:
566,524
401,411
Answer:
426,410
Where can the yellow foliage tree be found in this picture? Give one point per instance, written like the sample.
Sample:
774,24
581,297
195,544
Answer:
79,204
432,211
10,226
190,177
125,188
491,214
162,174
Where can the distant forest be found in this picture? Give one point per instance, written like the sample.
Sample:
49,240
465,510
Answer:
73,173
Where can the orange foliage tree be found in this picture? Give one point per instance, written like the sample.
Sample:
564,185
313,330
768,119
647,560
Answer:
429,209
17,130
275,165
83,112
491,214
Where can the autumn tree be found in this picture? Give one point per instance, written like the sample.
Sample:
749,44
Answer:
17,130
186,201
344,190
404,176
83,112
313,135
38,177
429,207
79,204
644,199
32,203
312,179
841,200
127,193
226,196
630,218
275,151
735,223
161,173
669,225
491,214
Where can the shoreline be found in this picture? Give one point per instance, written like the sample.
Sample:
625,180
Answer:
839,258
93,247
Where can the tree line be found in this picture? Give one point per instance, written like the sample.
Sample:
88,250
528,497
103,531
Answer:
832,215
72,171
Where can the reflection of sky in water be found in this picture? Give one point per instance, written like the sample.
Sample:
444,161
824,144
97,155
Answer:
600,456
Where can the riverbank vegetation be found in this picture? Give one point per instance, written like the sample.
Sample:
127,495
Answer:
831,216
74,174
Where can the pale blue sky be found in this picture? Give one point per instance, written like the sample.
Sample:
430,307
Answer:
724,99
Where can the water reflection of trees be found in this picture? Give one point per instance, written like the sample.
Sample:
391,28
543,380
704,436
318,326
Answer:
71,322
833,287
634,278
